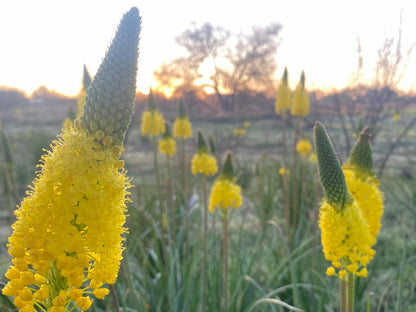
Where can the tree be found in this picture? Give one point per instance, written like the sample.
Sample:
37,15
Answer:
235,63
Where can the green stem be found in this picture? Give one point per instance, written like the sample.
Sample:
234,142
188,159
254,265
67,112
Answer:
350,292
205,232
171,208
286,198
225,261
156,164
342,296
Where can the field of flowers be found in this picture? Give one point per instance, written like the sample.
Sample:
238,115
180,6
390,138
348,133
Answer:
249,215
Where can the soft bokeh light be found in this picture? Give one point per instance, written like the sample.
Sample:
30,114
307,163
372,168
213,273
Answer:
46,42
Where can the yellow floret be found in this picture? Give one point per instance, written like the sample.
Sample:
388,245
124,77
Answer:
167,146
152,123
225,194
182,128
304,147
204,163
300,105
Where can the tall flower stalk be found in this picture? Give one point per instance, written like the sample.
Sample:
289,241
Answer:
350,212
282,105
225,194
67,241
182,130
205,164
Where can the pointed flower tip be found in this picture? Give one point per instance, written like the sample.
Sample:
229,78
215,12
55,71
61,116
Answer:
168,133
361,156
201,144
330,172
228,168
181,109
110,97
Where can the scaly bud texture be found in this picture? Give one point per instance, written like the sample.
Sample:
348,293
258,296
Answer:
330,172
67,240
361,153
110,97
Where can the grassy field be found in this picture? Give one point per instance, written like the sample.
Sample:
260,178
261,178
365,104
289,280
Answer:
271,267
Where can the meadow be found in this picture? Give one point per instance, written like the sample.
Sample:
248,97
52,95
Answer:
273,264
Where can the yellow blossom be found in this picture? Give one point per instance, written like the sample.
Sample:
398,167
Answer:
204,163
284,96
182,128
301,104
247,124
239,132
283,171
225,194
152,123
313,158
304,147
396,117
167,146
69,228
345,238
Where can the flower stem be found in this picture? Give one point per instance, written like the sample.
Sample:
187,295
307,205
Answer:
342,296
205,231
350,292
225,260
171,208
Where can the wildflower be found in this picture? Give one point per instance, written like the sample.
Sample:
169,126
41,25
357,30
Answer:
303,147
247,124
396,117
313,158
301,104
283,171
167,145
239,132
152,120
182,126
363,184
69,228
203,162
284,96
224,192
345,235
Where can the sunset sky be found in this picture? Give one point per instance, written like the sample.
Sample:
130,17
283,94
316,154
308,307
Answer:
46,42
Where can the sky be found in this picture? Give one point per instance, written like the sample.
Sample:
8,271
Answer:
47,42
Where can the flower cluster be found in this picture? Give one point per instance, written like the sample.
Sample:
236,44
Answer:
167,145
304,147
352,207
153,122
203,162
67,241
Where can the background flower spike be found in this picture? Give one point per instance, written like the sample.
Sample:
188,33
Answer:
110,97
361,154
330,172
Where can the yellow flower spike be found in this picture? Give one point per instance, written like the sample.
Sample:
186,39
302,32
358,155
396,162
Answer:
225,193
182,127
300,106
152,120
72,219
203,162
345,235
167,145
304,147
284,96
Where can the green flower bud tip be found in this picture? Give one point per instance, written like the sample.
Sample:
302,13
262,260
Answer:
302,80
212,145
361,153
114,85
228,169
86,79
201,144
285,77
6,147
151,102
181,109
330,172
168,133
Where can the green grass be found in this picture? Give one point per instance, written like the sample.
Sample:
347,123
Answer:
270,268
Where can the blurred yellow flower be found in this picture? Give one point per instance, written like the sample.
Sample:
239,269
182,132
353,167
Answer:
247,124
284,96
182,128
204,163
396,117
313,158
283,171
167,146
225,194
304,147
239,132
301,103
152,123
